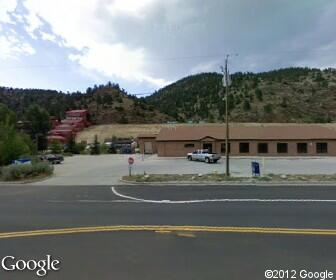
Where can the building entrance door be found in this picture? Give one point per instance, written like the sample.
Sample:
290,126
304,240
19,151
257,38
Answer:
207,146
148,147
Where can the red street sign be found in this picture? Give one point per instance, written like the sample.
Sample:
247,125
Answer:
130,160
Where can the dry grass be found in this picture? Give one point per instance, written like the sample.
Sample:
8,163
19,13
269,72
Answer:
119,130
133,130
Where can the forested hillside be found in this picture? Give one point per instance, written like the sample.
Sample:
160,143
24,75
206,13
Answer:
286,95
106,103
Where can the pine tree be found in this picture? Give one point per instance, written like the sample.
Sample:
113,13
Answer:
95,150
246,105
56,147
259,94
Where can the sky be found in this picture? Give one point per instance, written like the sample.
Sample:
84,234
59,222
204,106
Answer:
144,45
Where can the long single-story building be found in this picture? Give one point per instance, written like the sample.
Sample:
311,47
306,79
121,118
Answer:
245,140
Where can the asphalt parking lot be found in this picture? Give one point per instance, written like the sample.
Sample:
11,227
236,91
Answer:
108,169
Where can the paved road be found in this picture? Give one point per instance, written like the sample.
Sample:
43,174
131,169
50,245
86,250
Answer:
172,254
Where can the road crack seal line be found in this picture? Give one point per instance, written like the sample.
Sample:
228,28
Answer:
117,193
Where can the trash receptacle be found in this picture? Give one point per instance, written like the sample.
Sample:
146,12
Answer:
255,169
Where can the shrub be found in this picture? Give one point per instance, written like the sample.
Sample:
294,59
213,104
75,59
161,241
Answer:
74,148
28,171
95,149
246,105
56,147
268,109
104,149
12,145
259,94
284,103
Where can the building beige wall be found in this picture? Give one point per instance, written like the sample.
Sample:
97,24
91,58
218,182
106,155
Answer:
178,149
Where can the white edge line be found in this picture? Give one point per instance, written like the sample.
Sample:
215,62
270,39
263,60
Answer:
115,192
92,201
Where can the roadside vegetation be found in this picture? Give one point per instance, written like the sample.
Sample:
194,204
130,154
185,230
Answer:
156,178
25,172
15,143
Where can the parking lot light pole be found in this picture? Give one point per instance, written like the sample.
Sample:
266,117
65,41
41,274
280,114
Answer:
226,82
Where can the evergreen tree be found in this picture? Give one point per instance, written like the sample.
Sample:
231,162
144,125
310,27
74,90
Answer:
246,105
268,109
56,147
259,94
95,150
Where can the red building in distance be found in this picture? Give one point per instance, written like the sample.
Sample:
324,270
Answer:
75,121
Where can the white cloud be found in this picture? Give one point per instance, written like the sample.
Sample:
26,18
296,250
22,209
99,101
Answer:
12,47
11,44
6,7
34,23
74,20
206,67
111,59
116,60
130,7
78,23
122,38
48,37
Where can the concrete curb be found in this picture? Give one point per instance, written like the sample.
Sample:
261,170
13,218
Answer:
242,183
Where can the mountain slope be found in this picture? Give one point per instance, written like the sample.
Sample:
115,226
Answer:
285,95
106,103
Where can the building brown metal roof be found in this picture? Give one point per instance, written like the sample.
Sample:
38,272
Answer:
153,135
245,132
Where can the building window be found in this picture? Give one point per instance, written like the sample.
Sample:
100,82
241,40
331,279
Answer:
189,145
244,148
302,148
262,148
321,148
223,148
282,148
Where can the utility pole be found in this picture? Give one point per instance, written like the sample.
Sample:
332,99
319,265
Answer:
226,82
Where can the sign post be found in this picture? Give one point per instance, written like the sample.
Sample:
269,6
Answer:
130,164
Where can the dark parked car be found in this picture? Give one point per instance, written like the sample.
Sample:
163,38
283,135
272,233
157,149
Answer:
53,159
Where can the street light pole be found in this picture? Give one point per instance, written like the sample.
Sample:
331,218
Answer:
226,82
227,118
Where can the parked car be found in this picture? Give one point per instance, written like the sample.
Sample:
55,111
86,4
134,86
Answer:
53,159
22,161
203,155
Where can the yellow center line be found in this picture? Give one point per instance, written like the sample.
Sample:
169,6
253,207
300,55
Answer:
167,228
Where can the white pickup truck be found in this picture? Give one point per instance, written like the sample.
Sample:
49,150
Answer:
203,155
